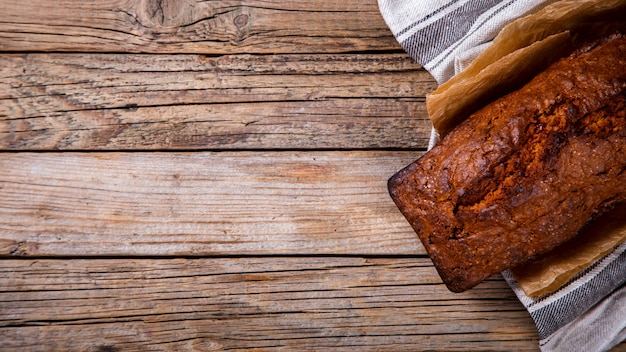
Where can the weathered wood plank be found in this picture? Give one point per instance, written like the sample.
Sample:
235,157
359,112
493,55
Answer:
189,26
310,303
112,102
201,203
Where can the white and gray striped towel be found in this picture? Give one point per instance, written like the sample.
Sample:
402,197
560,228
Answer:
589,312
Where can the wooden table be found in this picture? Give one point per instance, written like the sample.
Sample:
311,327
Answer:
183,175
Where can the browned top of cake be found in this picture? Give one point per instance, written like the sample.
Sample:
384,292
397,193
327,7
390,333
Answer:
525,173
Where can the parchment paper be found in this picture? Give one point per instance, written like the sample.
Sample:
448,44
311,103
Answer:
520,51
549,272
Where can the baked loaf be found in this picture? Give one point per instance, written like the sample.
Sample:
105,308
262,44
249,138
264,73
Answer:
525,173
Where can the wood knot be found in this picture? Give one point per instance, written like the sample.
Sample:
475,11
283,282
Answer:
23,249
169,13
241,20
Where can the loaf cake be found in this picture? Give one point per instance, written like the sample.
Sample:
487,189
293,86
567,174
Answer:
525,173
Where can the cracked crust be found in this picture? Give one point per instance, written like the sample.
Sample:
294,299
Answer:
526,172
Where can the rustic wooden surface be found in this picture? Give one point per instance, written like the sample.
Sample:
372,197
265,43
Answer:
139,102
202,203
211,175
307,303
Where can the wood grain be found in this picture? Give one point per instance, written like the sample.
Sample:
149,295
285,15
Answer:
174,102
338,304
222,203
189,26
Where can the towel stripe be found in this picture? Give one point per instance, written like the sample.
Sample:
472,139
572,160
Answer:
580,293
448,29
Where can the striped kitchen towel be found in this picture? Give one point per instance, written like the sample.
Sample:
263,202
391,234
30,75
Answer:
588,313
